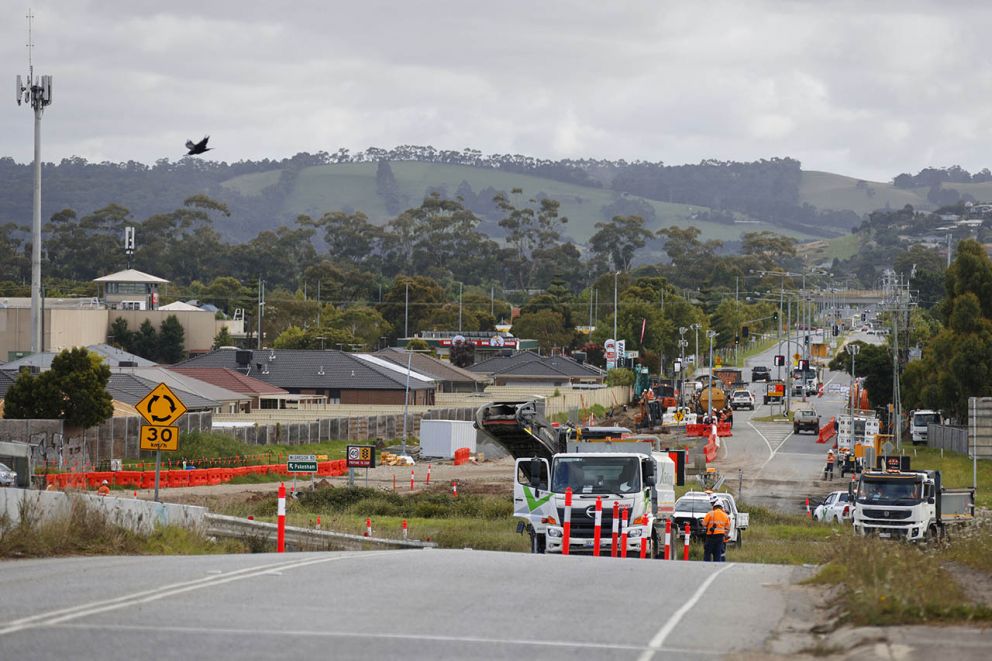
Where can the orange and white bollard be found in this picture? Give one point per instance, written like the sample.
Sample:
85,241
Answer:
454,489
318,522
685,553
428,474
404,529
411,479
281,518
668,539
616,529
809,514
368,526
597,531
566,536
623,532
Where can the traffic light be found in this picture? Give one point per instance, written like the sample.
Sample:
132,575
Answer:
864,316
775,316
745,332
779,360
737,339
803,365
836,330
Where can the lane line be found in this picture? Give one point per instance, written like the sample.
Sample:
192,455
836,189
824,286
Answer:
656,644
770,451
147,596
378,636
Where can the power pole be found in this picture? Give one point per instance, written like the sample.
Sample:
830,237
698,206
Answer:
37,92
261,309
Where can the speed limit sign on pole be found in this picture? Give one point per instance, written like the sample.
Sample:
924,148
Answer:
165,439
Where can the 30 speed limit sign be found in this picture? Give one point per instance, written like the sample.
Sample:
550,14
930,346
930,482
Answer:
154,437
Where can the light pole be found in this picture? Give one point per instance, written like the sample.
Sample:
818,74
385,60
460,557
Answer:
854,350
695,356
710,334
459,307
406,397
616,311
683,343
406,313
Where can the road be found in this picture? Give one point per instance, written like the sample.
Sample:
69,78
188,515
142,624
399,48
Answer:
780,468
386,604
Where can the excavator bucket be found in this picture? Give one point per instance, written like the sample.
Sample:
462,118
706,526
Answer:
519,428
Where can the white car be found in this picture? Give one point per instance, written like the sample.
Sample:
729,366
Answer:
835,508
742,399
8,478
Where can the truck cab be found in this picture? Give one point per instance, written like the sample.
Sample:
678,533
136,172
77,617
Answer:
918,424
910,505
643,484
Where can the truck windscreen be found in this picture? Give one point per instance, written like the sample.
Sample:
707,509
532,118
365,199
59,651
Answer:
924,419
596,475
889,492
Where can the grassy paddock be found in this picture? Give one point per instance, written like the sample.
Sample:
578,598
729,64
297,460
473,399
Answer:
955,470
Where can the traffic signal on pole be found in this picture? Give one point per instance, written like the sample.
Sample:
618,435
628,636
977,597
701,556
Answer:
779,360
836,330
737,339
745,332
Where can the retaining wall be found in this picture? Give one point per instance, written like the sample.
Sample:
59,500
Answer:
138,515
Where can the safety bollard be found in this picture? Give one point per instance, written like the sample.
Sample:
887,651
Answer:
809,514
623,532
404,529
644,548
566,537
616,529
318,522
411,479
368,526
281,517
668,539
428,474
394,483
597,531
454,489
685,553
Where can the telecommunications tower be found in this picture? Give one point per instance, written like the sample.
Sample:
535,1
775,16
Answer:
37,92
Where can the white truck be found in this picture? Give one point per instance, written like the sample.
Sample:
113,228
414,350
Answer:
634,473
918,424
908,504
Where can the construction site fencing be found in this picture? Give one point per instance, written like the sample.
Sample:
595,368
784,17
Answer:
947,437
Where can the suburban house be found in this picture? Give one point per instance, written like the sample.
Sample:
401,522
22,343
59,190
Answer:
262,395
529,369
131,389
113,356
228,401
448,377
337,376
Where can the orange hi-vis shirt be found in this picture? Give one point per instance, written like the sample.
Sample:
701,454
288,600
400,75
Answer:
716,523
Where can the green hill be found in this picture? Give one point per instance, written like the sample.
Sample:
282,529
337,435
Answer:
323,188
826,190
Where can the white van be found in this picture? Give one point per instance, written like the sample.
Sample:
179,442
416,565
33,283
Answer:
918,425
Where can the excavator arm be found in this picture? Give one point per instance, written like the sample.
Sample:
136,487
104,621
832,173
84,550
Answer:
520,429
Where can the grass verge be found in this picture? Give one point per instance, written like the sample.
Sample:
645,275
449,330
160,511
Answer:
955,470
882,582
86,531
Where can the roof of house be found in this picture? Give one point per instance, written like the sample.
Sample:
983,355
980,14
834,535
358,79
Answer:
439,370
6,381
231,380
527,363
111,355
131,275
181,306
131,389
312,369
179,381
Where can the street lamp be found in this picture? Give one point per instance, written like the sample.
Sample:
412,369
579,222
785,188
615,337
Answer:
459,307
710,334
695,357
854,350
683,343
615,309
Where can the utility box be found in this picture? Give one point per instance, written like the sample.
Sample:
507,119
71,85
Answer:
440,438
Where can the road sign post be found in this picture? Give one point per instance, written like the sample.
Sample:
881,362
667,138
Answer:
160,408
301,463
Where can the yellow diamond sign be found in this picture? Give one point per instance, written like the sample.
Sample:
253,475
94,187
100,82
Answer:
161,407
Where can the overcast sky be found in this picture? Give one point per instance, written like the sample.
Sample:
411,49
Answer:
868,89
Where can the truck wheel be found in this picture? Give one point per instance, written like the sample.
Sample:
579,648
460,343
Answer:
656,550
739,542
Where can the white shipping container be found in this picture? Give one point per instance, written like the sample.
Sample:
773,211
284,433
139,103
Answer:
440,438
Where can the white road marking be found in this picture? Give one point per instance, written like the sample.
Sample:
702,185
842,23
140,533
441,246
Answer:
659,638
146,596
378,635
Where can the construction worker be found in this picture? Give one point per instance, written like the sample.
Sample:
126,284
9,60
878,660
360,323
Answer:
104,489
716,525
829,468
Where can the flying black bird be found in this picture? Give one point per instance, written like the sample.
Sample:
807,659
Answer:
197,148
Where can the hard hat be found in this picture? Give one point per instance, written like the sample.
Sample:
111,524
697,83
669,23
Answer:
104,482
717,503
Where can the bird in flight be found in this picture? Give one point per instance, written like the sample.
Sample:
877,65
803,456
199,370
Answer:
198,147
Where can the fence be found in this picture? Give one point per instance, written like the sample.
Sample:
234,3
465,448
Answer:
946,437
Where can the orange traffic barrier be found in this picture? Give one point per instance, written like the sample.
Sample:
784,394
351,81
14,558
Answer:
461,456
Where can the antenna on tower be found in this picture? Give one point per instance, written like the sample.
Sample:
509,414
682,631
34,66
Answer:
38,93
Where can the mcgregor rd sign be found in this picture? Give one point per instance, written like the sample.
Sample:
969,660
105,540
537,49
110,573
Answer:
161,407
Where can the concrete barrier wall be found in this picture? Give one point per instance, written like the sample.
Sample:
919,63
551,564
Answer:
141,516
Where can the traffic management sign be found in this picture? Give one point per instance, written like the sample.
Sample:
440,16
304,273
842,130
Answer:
361,456
301,463
161,407
158,437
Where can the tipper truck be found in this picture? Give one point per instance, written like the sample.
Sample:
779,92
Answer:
908,504
634,473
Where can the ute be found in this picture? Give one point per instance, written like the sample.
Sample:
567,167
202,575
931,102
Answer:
908,504
635,473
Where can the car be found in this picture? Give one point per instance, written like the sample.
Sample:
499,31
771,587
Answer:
694,505
742,399
8,477
760,373
805,420
835,508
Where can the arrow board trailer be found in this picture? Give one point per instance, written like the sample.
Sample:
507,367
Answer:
641,483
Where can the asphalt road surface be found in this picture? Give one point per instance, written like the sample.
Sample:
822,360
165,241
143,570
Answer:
778,468
386,604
